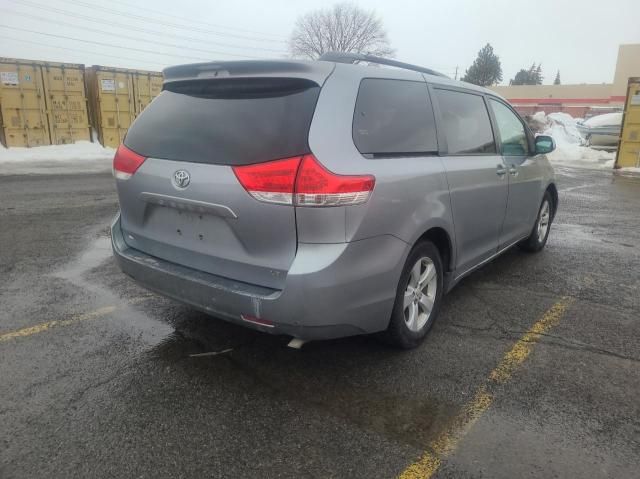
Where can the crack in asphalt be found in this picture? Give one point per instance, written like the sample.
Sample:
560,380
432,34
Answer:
511,334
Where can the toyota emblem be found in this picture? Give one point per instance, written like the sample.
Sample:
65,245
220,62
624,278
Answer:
181,178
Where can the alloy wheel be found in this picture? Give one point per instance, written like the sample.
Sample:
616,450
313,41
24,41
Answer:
420,294
543,221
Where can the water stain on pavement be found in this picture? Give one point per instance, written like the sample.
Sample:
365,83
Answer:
289,376
135,322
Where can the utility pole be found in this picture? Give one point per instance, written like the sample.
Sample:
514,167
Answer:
456,77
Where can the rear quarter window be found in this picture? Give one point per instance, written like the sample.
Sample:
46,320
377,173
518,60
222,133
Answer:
393,118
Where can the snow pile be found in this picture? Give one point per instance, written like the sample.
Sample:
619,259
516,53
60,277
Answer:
80,157
563,128
570,147
82,150
537,122
608,119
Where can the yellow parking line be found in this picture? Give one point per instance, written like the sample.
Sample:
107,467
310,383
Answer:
523,347
447,441
39,328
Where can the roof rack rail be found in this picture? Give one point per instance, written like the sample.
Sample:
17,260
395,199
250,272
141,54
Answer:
342,57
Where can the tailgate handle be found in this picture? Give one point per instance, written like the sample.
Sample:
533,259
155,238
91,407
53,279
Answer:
188,205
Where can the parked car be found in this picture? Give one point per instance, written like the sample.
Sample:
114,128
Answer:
601,130
321,199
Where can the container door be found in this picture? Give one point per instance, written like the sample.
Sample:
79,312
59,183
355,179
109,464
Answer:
66,103
24,119
147,86
116,105
628,155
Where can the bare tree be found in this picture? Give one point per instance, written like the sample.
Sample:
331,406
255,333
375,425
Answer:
345,27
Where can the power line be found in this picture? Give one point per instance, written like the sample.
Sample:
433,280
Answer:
169,24
119,57
190,20
114,46
137,28
137,39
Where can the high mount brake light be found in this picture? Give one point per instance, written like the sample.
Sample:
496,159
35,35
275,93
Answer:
126,163
303,181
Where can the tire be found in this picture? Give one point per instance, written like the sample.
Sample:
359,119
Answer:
408,326
540,232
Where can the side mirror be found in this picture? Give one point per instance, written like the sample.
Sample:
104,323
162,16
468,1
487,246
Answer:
544,145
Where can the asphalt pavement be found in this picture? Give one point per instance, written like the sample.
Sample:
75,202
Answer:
532,369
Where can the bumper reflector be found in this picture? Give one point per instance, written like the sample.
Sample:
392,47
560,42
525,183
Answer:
258,321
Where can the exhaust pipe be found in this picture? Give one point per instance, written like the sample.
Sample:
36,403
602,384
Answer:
296,343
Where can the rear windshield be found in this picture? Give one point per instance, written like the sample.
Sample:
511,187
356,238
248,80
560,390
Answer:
227,121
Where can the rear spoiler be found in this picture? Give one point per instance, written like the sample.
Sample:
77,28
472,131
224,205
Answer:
310,70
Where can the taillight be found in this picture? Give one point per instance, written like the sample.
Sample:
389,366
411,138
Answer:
126,163
271,182
303,181
317,186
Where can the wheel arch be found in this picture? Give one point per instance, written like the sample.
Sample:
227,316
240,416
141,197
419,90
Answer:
441,238
553,191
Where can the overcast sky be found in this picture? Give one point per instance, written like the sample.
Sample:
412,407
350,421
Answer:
578,37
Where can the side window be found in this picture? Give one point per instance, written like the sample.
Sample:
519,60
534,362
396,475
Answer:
393,117
466,123
512,133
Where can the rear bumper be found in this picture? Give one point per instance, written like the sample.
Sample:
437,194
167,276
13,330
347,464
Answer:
331,290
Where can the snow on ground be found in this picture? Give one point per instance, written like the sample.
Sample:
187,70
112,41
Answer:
629,169
80,157
570,149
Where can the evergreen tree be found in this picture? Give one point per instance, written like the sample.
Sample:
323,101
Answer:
521,78
532,76
538,75
557,80
486,69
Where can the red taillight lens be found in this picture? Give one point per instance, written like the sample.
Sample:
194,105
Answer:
317,186
271,182
303,181
126,163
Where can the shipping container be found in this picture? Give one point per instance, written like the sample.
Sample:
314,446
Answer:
146,86
111,102
116,97
629,148
66,102
23,109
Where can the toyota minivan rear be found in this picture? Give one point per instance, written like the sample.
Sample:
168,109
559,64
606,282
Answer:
213,178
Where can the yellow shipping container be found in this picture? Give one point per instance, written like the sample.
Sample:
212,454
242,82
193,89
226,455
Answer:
146,86
116,97
23,109
629,148
66,102
111,102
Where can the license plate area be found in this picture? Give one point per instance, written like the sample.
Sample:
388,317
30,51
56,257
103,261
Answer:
186,229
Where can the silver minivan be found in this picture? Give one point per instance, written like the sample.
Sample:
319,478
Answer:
320,199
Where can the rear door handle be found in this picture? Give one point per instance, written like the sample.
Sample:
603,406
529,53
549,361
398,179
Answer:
513,171
501,171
